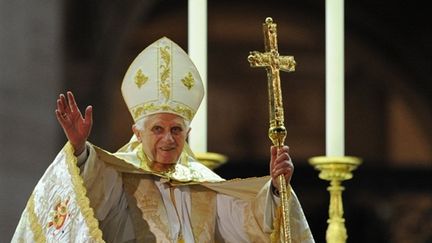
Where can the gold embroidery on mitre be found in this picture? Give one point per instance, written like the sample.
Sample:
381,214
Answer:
188,81
144,109
140,78
165,71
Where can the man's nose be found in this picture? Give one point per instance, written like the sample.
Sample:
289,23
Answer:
168,137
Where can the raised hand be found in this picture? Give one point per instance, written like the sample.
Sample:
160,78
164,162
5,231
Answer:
280,164
76,127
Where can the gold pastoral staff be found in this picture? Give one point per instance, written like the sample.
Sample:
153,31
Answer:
271,60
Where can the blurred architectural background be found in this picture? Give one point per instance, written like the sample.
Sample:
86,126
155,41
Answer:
48,47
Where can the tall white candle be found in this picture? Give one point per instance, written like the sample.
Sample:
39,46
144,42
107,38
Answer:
197,50
335,78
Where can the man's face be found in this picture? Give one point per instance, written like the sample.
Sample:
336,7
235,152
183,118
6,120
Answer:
163,137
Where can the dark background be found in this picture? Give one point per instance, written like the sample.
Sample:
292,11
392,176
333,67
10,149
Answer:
48,47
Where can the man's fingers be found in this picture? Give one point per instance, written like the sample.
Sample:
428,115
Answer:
278,155
282,165
58,115
60,111
64,103
282,157
72,104
282,171
59,106
62,108
283,161
273,152
88,117
277,173
62,118
284,149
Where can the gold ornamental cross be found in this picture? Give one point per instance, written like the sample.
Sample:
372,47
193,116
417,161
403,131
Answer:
273,62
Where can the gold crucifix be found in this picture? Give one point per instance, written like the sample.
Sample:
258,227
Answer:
271,60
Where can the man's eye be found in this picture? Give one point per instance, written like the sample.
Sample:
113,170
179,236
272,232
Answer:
157,129
176,130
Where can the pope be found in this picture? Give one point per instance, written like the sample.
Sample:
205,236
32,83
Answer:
153,189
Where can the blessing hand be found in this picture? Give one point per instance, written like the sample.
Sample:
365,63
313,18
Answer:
76,127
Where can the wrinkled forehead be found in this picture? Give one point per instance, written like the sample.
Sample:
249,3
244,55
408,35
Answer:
165,118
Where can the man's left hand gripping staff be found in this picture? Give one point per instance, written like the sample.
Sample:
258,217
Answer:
280,164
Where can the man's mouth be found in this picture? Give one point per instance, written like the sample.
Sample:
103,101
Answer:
167,149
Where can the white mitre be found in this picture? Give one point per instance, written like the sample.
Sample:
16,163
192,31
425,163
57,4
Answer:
162,79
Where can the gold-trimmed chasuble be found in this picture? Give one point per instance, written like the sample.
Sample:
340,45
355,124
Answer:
273,62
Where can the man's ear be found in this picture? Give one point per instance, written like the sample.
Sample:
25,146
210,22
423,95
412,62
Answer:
136,131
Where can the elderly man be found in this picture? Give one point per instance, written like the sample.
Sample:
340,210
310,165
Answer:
152,189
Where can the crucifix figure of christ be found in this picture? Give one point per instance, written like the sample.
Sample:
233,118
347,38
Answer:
273,62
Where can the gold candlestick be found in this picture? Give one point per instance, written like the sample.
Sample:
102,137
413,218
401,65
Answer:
335,170
211,160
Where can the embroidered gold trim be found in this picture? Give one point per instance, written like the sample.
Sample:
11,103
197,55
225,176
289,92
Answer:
140,78
204,204
36,228
144,109
149,201
165,71
253,219
188,81
80,191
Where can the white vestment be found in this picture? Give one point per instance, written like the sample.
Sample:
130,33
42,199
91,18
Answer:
107,201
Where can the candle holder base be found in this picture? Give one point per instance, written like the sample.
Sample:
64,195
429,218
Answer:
211,160
335,169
